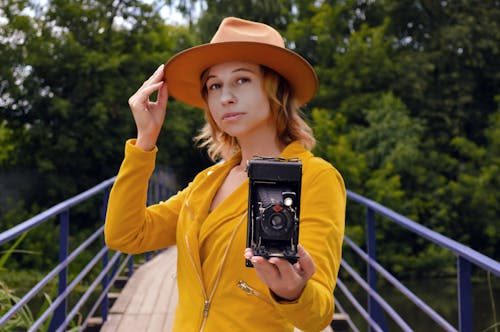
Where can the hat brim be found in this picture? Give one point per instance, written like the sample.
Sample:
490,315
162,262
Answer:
183,71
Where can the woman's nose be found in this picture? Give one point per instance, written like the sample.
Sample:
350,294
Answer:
227,96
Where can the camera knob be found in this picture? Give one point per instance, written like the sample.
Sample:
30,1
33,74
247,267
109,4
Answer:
288,201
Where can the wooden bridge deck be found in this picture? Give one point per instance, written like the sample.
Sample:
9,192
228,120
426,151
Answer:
148,300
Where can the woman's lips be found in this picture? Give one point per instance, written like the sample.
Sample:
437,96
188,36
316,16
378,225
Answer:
232,116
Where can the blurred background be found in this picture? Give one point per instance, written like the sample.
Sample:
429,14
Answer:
408,110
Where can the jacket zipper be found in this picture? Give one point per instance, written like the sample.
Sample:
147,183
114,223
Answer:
250,291
206,306
208,299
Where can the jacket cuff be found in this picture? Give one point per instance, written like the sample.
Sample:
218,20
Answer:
292,305
132,150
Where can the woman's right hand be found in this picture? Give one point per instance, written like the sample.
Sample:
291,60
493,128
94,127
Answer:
149,115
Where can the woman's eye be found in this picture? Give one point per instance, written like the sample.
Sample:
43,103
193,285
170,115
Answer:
243,80
214,86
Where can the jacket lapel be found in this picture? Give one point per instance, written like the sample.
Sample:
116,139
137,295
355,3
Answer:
198,205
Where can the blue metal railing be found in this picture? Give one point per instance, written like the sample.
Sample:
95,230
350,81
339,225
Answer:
466,257
111,268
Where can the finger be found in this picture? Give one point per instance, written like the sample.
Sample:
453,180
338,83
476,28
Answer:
266,270
306,262
284,266
156,77
298,268
248,253
142,95
162,98
149,89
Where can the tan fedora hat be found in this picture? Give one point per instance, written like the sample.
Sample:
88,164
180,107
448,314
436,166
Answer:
238,40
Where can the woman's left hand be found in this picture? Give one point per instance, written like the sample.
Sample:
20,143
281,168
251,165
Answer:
285,280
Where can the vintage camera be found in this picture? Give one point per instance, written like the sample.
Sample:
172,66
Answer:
274,207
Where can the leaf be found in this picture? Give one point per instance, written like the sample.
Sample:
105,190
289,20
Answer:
5,256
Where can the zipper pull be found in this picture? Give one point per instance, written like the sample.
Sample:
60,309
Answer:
244,286
205,308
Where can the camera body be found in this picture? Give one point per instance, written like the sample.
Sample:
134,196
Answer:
274,207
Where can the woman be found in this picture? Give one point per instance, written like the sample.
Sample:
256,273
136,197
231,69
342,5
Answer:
250,86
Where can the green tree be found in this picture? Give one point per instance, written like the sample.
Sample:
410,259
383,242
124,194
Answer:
441,65
475,189
72,67
7,143
77,64
277,13
406,108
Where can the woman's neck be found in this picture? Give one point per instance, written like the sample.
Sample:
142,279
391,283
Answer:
262,147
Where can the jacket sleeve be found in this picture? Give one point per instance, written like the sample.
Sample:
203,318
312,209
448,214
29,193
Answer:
321,231
130,226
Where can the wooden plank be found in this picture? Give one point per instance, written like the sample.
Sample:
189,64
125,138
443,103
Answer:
172,305
144,302
168,295
134,323
153,289
125,297
169,284
156,323
139,291
112,323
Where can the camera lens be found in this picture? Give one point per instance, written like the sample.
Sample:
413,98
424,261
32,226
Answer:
277,222
276,225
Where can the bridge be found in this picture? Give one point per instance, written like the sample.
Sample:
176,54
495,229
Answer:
137,293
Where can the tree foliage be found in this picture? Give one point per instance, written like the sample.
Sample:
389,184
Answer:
75,66
407,110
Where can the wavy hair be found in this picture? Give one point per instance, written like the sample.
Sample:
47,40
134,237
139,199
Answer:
284,108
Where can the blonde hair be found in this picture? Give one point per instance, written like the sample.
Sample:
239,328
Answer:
284,108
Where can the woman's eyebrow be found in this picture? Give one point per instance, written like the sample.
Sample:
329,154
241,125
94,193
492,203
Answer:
234,71
244,69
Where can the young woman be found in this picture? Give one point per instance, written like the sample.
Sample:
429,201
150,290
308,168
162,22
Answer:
251,88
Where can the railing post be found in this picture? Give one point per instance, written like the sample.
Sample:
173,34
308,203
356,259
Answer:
130,266
374,308
60,312
105,261
105,283
160,193
464,295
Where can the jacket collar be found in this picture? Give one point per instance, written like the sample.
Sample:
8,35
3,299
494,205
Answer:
211,179
295,150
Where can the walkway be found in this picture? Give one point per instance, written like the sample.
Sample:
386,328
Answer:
148,300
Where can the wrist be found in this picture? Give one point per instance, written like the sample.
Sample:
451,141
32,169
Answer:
286,299
145,144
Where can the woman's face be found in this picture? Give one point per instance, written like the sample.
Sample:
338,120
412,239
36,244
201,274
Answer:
237,100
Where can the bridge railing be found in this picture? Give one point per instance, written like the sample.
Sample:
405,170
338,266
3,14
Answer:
374,316
60,318
57,312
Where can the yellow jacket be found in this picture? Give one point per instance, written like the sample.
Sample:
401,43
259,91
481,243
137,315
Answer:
216,291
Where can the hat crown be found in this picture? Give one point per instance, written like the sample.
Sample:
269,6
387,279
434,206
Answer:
239,40
233,29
